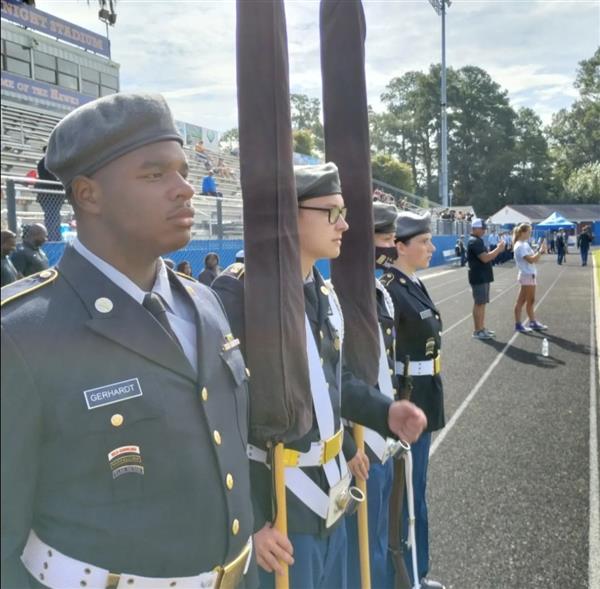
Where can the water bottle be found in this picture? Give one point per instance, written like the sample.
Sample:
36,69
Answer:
545,350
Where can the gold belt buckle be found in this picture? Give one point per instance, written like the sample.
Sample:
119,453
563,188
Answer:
113,581
437,364
332,446
231,575
291,457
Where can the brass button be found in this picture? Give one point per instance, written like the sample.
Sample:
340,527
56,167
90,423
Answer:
103,305
391,371
388,331
324,290
235,527
229,481
217,437
322,361
437,316
248,372
321,334
204,394
440,333
45,274
117,420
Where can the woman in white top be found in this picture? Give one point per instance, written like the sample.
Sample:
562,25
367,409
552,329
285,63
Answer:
526,260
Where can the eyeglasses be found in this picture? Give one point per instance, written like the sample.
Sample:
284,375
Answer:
334,212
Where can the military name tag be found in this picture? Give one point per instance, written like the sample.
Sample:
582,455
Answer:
112,393
426,314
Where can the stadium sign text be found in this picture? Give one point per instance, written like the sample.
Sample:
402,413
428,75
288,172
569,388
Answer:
41,90
32,18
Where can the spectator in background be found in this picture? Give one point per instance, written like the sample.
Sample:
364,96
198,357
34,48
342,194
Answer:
223,170
493,240
50,203
31,174
29,256
211,269
561,246
239,256
184,268
209,185
551,238
201,155
460,251
481,275
9,244
584,241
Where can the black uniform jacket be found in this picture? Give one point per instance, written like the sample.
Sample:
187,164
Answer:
418,335
29,260
187,509
359,402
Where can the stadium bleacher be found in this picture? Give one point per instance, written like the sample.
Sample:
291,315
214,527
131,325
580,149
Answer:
25,131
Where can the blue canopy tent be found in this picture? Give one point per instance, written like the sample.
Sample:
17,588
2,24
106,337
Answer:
552,223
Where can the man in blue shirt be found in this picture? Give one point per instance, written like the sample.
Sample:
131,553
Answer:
209,185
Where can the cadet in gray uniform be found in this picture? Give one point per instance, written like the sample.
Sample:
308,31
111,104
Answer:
418,335
124,399
319,546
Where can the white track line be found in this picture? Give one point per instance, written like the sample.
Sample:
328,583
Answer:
455,417
594,530
452,296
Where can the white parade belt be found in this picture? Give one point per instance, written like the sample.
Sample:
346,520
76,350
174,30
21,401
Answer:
59,571
423,368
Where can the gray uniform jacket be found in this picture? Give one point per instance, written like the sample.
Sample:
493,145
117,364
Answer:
178,506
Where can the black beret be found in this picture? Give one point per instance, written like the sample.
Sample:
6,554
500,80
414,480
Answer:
319,180
103,130
384,217
410,224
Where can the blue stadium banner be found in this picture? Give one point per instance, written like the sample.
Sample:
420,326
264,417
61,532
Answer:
32,18
41,90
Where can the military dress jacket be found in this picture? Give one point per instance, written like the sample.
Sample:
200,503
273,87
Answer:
155,483
419,335
356,401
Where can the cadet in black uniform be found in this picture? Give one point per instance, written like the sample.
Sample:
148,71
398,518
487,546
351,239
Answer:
319,551
29,256
418,335
124,400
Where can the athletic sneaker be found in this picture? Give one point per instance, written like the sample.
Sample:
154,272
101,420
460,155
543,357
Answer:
482,334
522,328
489,332
537,326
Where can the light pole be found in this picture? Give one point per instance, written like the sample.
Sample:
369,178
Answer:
440,7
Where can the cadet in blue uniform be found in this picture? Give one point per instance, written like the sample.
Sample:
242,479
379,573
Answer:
124,399
318,550
418,335
381,471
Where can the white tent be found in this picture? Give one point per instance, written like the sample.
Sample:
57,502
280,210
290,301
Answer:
508,216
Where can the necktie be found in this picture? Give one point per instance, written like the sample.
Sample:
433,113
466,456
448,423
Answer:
154,305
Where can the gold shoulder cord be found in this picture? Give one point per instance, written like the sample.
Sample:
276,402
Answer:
46,276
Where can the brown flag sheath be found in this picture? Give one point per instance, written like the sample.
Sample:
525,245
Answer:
347,144
281,404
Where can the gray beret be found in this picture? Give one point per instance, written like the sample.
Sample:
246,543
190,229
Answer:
319,180
410,224
103,130
384,217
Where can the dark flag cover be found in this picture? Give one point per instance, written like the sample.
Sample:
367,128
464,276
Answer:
281,403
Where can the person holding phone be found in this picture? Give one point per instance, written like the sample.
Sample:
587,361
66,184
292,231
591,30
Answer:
526,260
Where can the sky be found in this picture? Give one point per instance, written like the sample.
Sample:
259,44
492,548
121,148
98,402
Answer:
185,49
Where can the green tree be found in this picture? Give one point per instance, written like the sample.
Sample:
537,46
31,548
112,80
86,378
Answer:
303,142
230,138
574,134
583,185
530,177
306,115
388,169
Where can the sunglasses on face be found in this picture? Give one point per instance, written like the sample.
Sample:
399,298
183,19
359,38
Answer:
334,213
